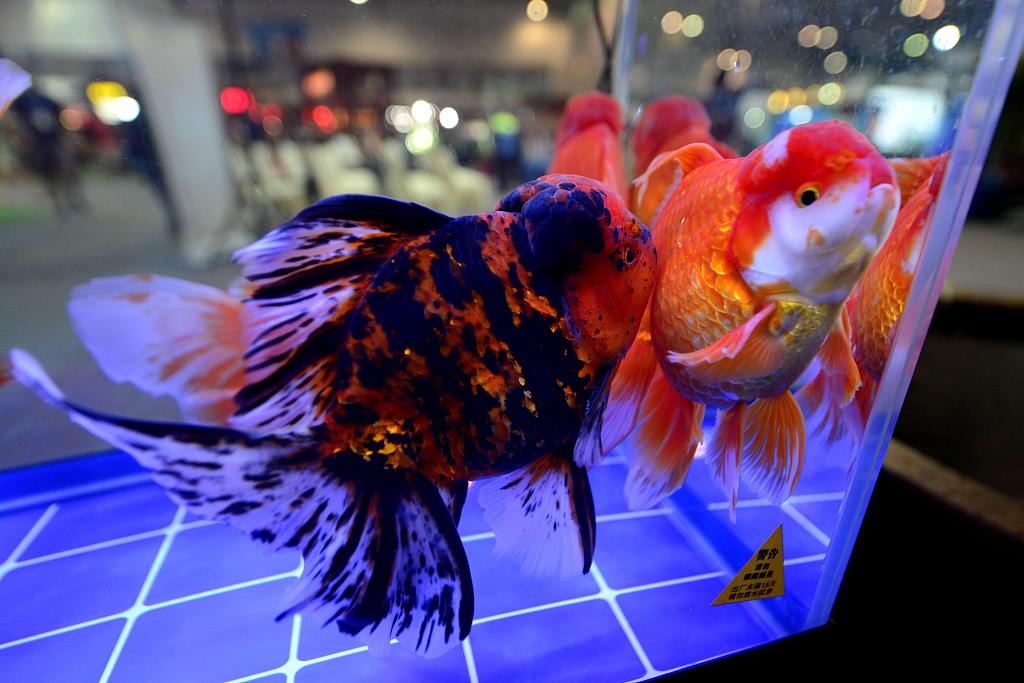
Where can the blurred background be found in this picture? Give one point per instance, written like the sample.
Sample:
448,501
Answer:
161,135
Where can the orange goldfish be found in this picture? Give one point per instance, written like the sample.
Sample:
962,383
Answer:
587,142
756,257
876,304
668,123
388,355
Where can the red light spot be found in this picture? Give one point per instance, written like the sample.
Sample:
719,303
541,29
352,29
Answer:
323,117
236,100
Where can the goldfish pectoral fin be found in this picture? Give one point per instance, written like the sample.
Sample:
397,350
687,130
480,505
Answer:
773,446
627,393
543,517
750,350
651,190
382,554
662,447
305,279
825,398
725,447
589,450
454,496
166,336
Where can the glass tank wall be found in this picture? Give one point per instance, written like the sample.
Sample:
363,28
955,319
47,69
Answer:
162,136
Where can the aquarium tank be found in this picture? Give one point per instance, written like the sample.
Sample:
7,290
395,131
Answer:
626,424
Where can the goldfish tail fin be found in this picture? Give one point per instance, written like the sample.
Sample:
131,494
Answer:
825,398
304,280
627,393
773,446
725,448
382,554
662,446
543,517
168,337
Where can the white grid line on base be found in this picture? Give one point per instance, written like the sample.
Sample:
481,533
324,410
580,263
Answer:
37,528
609,596
809,526
467,652
133,612
294,663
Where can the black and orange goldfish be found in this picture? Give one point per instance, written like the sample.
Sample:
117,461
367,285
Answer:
381,356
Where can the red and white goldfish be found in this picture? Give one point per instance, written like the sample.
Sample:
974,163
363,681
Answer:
588,140
13,81
671,122
756,257
388,354
876,304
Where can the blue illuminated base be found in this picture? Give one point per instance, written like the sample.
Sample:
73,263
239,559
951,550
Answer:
104,579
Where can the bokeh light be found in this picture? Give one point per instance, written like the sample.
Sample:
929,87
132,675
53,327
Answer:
422,111
946,38
827,37
797,96
931,9
778,101
726,59
98,91
754,117
693,25
808,35
915,45
236,100
743,60
448,117
911,8
800,115
835,62
537,10
421,139
72,118
830,93
273,125
672,22
318,84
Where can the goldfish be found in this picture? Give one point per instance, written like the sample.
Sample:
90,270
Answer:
876,304
668,123
588,140
13,82
756,257
382,356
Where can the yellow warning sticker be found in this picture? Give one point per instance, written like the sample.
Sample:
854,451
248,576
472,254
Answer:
761,576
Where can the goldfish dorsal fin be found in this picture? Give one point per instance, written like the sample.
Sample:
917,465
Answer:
750,350
652,189
305,278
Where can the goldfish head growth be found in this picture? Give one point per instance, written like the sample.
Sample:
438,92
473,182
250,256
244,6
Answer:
816,202
581,232
664,119
586,110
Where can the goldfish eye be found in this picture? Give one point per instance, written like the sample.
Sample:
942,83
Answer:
807,195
